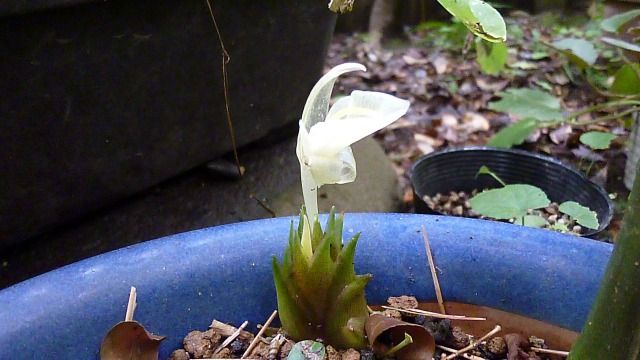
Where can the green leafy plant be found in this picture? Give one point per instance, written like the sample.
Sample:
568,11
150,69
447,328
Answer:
491,56
528,103
515,201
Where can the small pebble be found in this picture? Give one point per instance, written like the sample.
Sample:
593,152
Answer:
367,354
179,354
333,354
459,338
351,354
497,346
576,229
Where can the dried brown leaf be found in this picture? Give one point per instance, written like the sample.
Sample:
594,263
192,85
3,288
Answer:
561,134
130,340
380,327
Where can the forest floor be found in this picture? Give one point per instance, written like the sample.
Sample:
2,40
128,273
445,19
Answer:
434,66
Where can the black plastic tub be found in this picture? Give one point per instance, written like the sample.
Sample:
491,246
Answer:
103,99
456,169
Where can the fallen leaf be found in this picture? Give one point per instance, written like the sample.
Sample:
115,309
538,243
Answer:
516,344
583,152
441,64
379,327
130,340
473,122
426,144
413,61
561,134
488,84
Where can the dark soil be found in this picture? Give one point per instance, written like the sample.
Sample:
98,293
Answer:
457,204
203,344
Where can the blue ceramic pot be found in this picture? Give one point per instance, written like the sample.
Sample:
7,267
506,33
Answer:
186,280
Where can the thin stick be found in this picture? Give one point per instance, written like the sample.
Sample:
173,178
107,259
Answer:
262,330
475,343
466,356
549,351
232,337
225,86
435,314
131,306
434,275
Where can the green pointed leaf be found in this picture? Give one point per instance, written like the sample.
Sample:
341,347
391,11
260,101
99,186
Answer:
535,221
581,214
580,51
511,201
621,44
528,103
491,57
597,140
614,23
479,17
626,81
514,134
486,171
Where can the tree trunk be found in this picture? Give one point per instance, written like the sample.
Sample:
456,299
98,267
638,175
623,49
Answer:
381,17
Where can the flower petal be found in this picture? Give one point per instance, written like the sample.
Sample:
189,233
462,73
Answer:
337,168
353,118
315,109
309,193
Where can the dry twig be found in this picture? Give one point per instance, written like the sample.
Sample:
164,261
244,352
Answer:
549,351
434,274
466,356
475,343
435,314
259,335
131,305
232,337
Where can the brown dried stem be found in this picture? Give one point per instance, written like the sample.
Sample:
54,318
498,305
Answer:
233,336
259,335
474,344
434,274
549,351
435,314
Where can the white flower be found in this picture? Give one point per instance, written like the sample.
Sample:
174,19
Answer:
326,135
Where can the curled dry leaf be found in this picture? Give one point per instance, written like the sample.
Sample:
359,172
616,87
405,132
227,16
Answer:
130,340
380,328
516,344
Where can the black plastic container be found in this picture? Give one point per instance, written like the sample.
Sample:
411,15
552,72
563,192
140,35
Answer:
103,99
456,169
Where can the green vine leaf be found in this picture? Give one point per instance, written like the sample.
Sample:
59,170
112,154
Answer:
528,103
614,23
514,134
511,201
626,80
597,140
491,57
621,44
582,214
479,17
535,221
580,51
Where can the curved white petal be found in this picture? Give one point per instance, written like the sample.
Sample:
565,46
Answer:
353,118
315,109
338,168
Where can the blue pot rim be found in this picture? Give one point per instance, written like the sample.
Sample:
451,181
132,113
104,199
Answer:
186,280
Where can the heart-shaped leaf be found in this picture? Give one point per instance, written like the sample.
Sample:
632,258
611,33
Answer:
511,201
614,23
597,140
580,51
528,103
479,17
582,214
514,134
